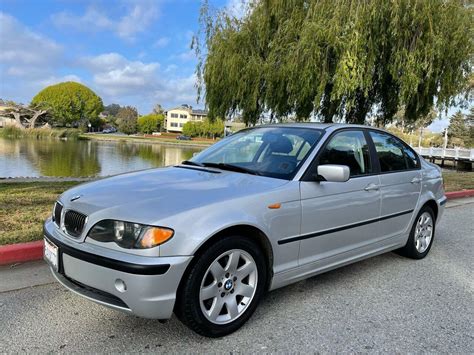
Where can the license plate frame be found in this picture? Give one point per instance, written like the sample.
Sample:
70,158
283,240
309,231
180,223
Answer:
51,254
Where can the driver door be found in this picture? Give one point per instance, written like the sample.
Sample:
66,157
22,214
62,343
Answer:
339,219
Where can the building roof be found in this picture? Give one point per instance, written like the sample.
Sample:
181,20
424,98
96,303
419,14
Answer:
197,112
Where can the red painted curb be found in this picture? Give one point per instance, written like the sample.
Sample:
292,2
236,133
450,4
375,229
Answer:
459,194
17,253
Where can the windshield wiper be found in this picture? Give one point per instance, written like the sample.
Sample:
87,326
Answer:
230,167
190,162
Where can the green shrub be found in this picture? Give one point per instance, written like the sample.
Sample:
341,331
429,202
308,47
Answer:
150,123
11,131
40,133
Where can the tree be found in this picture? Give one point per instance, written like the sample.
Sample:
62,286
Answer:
460,131
25,116
69,103
150,123
112,109
206,128
339,60
158,109
127,120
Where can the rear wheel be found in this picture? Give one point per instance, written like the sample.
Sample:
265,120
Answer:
421,235
222,289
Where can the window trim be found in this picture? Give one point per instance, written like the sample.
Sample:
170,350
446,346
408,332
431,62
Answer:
375,167
402,143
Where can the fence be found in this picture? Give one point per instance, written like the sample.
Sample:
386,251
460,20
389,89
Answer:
448,153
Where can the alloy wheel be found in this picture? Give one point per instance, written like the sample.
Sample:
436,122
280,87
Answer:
423,232
228,286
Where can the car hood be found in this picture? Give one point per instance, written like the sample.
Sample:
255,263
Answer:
150,195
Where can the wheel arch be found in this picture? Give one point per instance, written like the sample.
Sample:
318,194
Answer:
245,230
433,205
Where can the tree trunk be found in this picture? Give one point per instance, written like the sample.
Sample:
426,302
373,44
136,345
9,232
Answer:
359,112
37,115
17,116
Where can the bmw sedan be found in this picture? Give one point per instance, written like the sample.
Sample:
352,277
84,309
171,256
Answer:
261,209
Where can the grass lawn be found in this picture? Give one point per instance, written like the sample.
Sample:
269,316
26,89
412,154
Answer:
25,205
454,181
148,139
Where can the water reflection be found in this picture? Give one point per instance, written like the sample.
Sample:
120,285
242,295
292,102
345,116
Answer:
31,157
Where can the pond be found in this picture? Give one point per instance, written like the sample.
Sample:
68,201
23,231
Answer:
84,158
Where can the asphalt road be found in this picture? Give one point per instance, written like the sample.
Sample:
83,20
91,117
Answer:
384,304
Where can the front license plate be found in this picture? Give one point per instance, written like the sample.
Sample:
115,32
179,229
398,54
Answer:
51,253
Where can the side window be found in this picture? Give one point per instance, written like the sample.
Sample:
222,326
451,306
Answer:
393,155
348,148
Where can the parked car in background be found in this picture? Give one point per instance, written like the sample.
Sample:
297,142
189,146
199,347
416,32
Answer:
109,130
183,138
264,208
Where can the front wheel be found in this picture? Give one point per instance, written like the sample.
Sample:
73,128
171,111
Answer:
222,289
421,235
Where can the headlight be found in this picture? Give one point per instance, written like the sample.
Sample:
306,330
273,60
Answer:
130,235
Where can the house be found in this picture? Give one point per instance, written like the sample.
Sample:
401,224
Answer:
178,116
4,120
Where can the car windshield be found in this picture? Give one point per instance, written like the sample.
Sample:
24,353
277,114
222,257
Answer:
269,151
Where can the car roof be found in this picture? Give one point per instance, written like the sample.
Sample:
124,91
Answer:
317,125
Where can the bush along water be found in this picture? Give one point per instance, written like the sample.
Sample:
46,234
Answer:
40,133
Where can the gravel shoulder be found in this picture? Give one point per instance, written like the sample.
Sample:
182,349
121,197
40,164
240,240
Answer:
384,304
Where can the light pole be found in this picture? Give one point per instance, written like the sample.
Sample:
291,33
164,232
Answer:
445,138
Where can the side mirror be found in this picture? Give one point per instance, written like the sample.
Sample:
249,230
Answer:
334,173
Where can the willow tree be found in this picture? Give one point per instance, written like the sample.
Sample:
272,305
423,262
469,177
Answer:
336,59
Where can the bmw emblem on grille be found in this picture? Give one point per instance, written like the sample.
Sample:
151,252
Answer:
77,197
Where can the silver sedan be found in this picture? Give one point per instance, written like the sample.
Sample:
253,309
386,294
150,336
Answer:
263,208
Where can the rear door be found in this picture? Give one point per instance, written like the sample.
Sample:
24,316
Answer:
400,182
340,217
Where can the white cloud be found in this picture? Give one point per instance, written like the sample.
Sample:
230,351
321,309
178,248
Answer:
115,75
177,91
119,79
28,61
139,15
187,56
24,53
92,20
59,79
161,42
171,68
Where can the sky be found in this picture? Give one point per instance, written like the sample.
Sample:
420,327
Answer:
130,52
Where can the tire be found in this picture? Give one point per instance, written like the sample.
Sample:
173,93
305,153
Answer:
239,284
420,240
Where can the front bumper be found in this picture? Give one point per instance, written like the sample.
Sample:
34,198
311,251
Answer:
100,275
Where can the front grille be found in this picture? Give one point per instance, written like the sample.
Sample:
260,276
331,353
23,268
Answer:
74,222
58,208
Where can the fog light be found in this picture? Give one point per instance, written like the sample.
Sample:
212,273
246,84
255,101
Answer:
120,285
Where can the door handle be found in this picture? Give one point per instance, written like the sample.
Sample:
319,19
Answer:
372,187
416,180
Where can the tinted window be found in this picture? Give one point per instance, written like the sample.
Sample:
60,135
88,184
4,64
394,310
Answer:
270,151
392,153
348,148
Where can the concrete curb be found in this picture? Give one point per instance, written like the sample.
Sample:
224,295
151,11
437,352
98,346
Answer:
459,194
16,253
21,252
